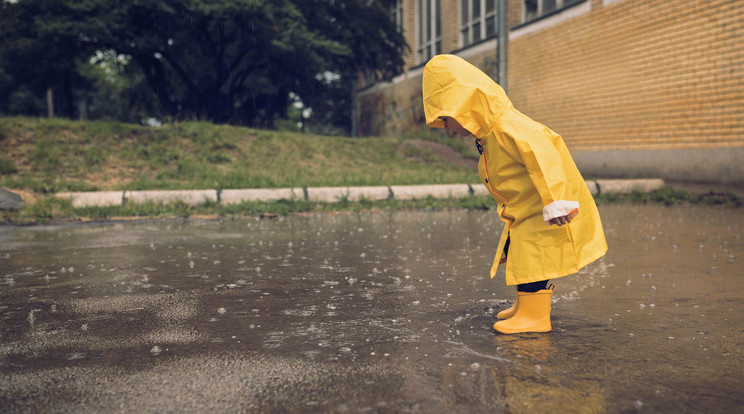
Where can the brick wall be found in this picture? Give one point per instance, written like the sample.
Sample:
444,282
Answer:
637,74
627,74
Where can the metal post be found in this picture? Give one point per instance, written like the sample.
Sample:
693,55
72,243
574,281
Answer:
354,112
50,103
503,41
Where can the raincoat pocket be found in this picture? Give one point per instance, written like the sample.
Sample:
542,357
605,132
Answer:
550,236
555,249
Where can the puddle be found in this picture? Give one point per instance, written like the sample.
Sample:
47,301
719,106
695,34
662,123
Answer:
359,312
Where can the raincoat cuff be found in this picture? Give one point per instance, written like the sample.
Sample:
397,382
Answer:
559,208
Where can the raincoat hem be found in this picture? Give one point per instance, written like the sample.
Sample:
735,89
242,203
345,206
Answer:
556,275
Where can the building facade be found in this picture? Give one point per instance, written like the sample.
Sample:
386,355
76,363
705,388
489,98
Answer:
635,87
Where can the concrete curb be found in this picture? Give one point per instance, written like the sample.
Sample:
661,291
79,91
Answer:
259,194
326,194
193,197
627,186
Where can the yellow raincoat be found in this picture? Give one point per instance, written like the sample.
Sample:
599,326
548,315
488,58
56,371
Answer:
526,168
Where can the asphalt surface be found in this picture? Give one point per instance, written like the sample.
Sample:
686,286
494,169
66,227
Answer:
366,312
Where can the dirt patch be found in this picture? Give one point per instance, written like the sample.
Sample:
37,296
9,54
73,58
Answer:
29,197
448,153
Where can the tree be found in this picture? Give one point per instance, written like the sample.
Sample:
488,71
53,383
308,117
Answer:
375,45
225,61
40,48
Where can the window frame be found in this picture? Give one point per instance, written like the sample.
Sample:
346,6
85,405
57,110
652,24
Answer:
469,24
540,13
429,30
396,13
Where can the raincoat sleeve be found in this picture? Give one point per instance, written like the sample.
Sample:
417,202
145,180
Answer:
533,144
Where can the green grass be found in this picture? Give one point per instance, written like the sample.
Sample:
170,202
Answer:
669,195
196,155
46,156
50,209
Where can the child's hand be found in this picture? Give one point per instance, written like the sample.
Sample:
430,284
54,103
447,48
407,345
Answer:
559,221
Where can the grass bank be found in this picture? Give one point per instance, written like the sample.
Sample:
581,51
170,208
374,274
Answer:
53,155
40,157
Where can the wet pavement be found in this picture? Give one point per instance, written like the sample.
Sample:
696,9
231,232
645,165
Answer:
367,312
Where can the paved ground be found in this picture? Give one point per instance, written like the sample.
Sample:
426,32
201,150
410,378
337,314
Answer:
366,312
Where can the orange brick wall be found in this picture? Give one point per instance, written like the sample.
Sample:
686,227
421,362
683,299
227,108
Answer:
636,74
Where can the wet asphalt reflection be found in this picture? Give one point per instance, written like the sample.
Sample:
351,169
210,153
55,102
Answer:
367,312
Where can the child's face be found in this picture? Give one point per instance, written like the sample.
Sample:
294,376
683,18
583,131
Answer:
452,126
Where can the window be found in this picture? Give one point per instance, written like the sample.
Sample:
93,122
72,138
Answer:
538,8
429,31
396,14
477,20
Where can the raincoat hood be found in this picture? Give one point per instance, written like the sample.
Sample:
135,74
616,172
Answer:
455,88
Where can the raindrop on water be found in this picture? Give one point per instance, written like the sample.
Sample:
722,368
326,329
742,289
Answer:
32,317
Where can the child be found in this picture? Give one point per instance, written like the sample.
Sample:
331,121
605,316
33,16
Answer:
552,226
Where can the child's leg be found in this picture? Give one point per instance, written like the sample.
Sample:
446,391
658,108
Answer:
527,288
532,313
533,287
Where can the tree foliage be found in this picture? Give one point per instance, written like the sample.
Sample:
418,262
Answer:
225,61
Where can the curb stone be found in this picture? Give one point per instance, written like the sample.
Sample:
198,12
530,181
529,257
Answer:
327,194
193,197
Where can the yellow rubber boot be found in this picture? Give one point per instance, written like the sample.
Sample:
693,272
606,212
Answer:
532,315
509,312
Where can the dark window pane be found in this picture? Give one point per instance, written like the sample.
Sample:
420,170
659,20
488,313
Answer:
490,4
490,26
548,6
465,37
530,9
464,12
476,9
476,32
